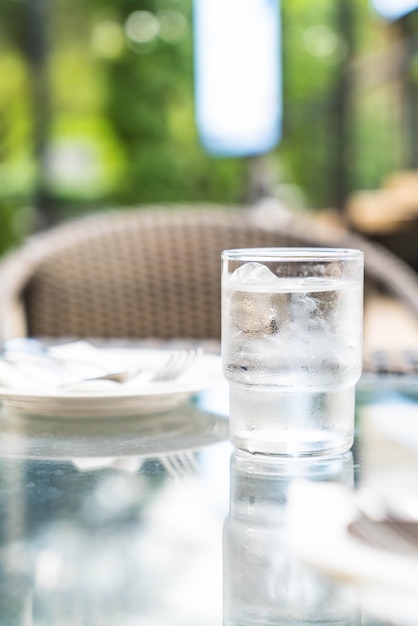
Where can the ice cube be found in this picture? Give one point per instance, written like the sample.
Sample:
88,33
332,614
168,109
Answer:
251,299
253,274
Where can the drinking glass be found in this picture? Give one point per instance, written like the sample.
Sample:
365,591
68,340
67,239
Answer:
292,322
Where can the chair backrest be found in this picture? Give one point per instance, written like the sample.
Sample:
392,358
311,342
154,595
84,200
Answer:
155,272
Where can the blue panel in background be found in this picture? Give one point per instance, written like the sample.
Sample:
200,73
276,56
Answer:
394,9
238,95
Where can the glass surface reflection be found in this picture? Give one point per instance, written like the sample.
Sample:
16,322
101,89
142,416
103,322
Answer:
106,522
264,584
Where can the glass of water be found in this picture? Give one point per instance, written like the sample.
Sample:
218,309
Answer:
292,321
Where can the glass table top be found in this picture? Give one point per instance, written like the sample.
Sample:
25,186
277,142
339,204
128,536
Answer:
156,521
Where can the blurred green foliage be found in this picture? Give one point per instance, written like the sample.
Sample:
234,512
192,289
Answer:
117,116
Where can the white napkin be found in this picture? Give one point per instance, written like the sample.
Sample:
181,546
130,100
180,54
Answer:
74,361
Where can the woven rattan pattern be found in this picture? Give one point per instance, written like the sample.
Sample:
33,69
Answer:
152,275
156,272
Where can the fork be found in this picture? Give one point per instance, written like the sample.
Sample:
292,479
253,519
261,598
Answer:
178,362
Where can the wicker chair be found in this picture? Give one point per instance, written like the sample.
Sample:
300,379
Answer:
155,272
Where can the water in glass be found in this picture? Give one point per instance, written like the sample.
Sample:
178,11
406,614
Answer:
291,350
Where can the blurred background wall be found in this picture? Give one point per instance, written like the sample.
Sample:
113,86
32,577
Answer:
97,109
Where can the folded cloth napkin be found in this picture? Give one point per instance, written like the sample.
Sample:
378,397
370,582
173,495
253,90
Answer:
74,368
345,535
63,366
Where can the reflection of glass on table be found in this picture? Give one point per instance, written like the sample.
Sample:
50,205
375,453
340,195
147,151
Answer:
263,582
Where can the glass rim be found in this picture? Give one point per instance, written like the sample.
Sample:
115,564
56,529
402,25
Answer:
291,254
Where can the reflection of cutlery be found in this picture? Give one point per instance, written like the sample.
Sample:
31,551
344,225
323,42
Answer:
387,534
178,362
180,464
384,525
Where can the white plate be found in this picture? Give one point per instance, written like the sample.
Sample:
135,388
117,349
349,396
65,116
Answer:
115,399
